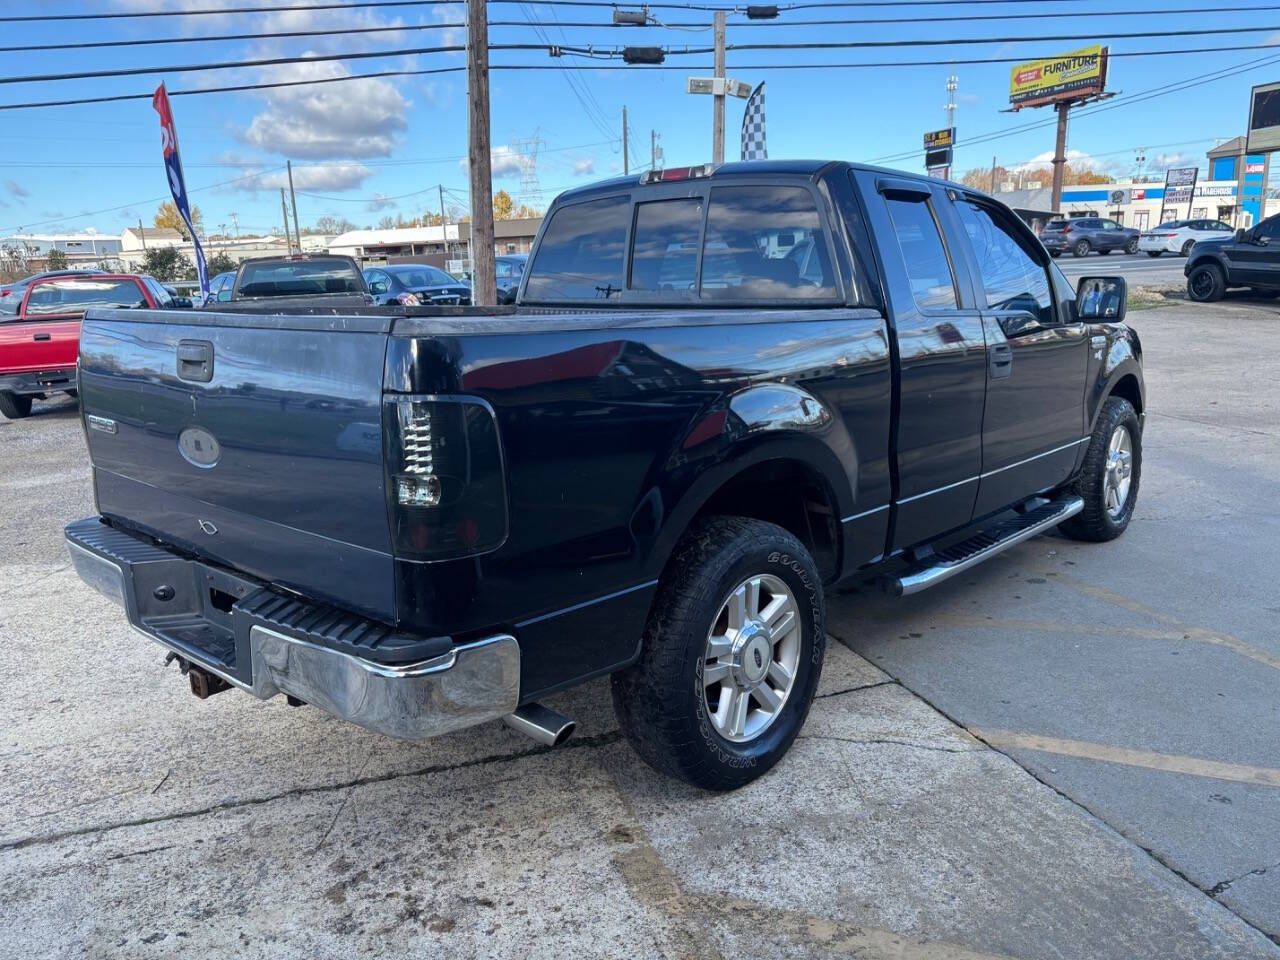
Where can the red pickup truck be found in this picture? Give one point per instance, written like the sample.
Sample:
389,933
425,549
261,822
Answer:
39,344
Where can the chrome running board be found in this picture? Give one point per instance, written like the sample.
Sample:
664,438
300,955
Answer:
984,545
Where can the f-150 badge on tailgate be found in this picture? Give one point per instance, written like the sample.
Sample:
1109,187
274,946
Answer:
199,447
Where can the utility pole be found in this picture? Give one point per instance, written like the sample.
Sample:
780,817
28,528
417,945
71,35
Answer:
1059,155
993,175
284,218
653,149
952,83
297,234
717,121
444,227
142,235
626,163
235,224
484,290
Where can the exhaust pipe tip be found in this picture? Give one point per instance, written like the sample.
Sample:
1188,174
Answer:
543,724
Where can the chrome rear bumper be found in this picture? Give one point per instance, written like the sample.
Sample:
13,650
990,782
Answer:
470,684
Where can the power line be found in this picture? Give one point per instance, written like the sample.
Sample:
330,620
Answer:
237,88
269,62
367,4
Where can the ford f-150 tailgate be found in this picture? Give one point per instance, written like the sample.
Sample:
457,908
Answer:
254,442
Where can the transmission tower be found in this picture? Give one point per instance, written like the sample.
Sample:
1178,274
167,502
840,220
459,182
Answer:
530,191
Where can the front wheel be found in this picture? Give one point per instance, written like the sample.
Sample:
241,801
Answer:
1206,283
1131,246
1082,249
1108,481
731,656
14,406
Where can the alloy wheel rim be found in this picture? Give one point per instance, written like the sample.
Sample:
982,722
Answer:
1119,472
751,658
1200,283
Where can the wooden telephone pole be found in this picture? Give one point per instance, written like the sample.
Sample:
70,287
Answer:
484,286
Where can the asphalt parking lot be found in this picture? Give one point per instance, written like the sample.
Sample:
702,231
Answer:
1069,752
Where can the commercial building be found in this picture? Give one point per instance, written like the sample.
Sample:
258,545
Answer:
1234,192
436,245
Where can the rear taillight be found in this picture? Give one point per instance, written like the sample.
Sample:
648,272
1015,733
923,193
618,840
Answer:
447,487
1066,229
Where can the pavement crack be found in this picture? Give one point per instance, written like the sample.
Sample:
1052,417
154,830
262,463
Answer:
582,743
887,741
1226,884
862,686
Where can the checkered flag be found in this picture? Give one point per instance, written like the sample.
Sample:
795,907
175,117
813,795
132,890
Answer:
753,145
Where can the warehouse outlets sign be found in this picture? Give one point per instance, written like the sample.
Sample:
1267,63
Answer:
1264,119
1081,73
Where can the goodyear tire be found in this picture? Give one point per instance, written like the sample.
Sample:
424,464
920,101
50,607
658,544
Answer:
1206,283
739,609
1108,481
14,406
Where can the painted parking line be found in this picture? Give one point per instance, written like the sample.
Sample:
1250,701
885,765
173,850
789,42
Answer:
1004,740
1179,635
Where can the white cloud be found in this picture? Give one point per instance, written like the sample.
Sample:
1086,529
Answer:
584,167
325,121
316,176
379,202
503,162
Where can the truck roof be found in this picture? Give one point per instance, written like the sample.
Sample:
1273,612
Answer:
754,168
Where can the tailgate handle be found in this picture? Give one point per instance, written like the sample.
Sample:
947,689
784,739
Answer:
195,360
41,337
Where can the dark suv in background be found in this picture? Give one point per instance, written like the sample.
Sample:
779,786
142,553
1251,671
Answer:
1084,235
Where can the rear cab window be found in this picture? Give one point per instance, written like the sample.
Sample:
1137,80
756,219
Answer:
706,242
313,276
51,298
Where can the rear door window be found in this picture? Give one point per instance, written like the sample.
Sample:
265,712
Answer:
928,269
765,243
582,253
664,251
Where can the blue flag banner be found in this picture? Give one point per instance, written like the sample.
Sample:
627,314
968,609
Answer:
178,186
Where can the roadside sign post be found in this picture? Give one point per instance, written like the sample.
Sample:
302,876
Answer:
1180,187
939,148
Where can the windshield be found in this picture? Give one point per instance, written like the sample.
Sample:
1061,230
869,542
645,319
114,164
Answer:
423,276
76,296
299,278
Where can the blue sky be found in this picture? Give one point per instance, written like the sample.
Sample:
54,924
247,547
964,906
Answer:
371,148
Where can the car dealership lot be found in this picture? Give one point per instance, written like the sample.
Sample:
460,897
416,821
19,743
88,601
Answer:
1070,751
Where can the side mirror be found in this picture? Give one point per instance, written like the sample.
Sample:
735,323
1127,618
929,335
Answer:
1102,298
378,287
1262,240
224,294
1240,234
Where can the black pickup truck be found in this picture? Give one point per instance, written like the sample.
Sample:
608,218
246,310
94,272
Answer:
722,390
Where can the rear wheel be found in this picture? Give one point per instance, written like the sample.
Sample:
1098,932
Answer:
1131,246
14,406
1186,248
1206,283
1082,248
1108,481
731,655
